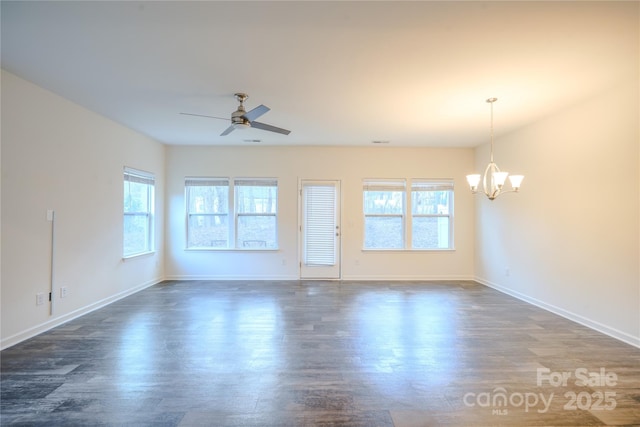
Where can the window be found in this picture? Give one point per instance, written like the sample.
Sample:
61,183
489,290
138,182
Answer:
207,212
431,214
224,213
138,212
256,209
384,214
385,207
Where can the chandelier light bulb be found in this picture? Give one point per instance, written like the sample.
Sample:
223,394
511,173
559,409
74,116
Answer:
516,181
473,181
500,178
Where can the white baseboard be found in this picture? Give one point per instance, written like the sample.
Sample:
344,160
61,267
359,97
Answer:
230,278
355,278
57,321
584,321
379,278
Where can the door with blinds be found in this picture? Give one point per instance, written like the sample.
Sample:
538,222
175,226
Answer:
320,229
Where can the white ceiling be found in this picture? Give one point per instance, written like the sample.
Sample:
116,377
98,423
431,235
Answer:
336,73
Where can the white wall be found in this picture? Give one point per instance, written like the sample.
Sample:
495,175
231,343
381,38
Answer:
57,155
571,237
347,164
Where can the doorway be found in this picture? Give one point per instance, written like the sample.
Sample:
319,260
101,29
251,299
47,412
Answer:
320,231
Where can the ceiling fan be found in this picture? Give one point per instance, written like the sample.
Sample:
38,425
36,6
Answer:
242,119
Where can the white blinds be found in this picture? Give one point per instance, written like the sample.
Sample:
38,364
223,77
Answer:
431,185
320,224
206,182
224,182
383,184
133,175
252,182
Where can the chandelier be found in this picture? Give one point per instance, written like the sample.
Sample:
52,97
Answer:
493,180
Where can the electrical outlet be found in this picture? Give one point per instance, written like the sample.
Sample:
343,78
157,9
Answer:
507,272
63,292
39,298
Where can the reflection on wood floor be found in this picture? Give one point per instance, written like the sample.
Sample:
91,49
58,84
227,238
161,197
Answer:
263,353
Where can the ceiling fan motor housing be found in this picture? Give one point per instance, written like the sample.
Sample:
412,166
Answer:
238,119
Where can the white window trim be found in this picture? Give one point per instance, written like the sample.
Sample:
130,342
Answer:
387,184
446,184
150,179
231,213
211,181
243,181
393,184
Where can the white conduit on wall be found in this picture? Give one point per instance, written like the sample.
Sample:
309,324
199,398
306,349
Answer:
51,216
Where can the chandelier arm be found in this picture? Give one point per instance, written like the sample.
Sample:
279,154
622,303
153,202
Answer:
511,190
497,192
502,191
490,189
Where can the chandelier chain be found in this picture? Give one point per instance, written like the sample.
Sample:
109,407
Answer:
491,101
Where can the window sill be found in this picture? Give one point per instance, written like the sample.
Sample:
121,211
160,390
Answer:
140,255
231,249
408,250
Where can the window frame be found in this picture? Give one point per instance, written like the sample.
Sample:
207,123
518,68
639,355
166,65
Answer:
147,178
214,182
233,213
407,186
434,185
245,182
395,185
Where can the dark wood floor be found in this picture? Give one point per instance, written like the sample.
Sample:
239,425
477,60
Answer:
320,353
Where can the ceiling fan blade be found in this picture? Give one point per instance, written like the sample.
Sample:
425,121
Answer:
270,128
228,130
202,115
256,112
